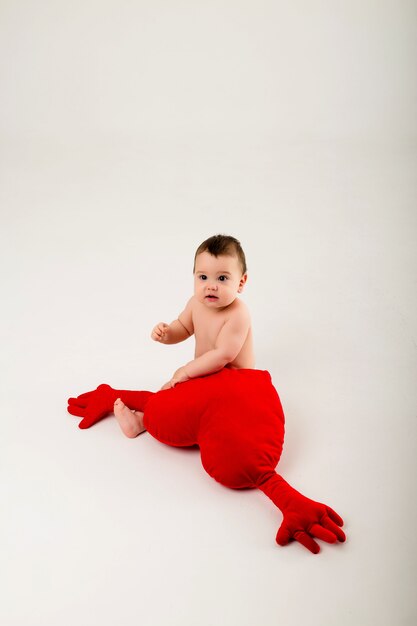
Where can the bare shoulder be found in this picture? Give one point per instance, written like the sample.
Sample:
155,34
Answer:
190,303
193,305
238,310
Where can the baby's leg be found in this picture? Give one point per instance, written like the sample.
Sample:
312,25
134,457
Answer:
131,422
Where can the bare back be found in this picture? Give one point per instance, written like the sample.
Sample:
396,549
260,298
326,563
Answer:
207,324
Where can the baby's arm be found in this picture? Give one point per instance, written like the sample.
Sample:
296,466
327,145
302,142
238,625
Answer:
179,330
228,344
170,333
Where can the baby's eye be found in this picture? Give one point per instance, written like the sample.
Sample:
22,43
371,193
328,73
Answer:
202,276
222,276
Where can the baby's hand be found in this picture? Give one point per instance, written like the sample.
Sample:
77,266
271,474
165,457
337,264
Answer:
180,376
160,331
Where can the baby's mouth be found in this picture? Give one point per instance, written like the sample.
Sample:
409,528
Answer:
212,297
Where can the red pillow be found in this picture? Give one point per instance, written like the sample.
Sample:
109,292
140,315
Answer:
236,418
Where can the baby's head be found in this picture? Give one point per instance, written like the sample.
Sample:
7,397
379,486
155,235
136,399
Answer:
219,271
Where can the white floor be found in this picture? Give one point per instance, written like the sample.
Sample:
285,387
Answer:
108,185
97,528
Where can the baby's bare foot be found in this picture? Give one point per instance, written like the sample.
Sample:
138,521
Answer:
131,422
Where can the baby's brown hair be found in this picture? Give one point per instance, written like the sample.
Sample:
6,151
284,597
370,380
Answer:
222,244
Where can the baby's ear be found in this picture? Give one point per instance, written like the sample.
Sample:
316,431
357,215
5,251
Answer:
242,282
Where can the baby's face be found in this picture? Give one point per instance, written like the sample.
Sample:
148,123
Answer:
217,281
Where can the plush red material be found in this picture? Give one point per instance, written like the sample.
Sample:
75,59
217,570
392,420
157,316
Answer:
236,418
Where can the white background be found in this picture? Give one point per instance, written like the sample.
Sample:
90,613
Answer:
130,132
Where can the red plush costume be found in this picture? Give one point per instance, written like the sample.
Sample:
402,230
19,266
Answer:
236,419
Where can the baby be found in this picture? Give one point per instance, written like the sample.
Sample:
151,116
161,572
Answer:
219,320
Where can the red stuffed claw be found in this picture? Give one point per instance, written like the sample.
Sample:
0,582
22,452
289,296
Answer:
77,406
311,520
94,405
304,519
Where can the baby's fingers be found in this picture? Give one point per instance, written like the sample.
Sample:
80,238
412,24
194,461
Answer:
163,328
159,331
156,334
